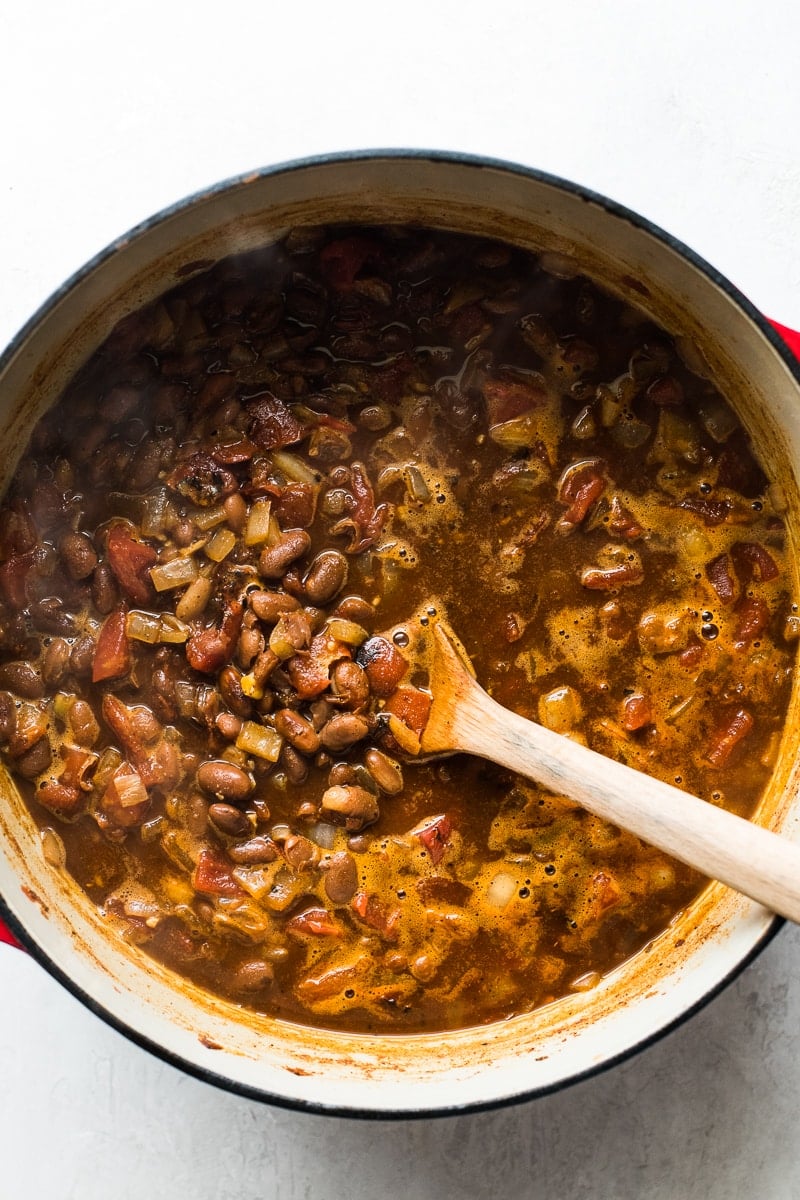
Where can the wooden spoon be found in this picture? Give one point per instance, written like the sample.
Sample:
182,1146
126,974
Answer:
463,717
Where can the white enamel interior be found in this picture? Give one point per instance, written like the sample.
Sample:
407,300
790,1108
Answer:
487,1064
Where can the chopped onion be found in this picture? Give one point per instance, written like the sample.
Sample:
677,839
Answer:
717,418
416,485
53,849
585,983
406,738
281,641
346,631
110,759
130,789
258,880
143,626
293,467
207,518
260,740
154,513
173,574
561,709
517,433
220,545
323,834
186,698
256,530
172,630
501,890
251,687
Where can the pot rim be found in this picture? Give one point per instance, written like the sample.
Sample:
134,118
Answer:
558,183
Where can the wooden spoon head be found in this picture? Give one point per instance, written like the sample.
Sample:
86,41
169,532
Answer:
438,664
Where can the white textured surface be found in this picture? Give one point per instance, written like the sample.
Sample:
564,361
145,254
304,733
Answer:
686,111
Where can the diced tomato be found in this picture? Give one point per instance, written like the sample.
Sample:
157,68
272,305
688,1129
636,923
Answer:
140,734
131,560
309,670
340,261
373,912
753,618
727,736
435,836
411,706
231,453
582,485
61,799
711,512
718,573
605,893
112,655
622,523
315,921
213,876
666,392
17,530
273,424
751,561
364,520
384,665
691,656
13,578
507,399
606,579
637,712
209,649
296,505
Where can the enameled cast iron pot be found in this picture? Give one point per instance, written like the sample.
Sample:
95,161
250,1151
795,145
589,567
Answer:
698,954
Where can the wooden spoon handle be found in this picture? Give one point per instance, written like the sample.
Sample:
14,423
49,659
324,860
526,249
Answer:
721,845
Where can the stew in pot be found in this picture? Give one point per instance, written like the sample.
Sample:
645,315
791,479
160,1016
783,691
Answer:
289,453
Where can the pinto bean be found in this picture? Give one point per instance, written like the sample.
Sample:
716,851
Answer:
8,716
343,731
229,820
355,804
82,655
55,661
235,511
224,780
300,852
355,608
230,686
269,606
252,976
105,595
254,851
79,555
350,684
275,559
229,725
298,732
51,615
341,878
22,679
34,761
293,763
385,771
326,576
85,728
